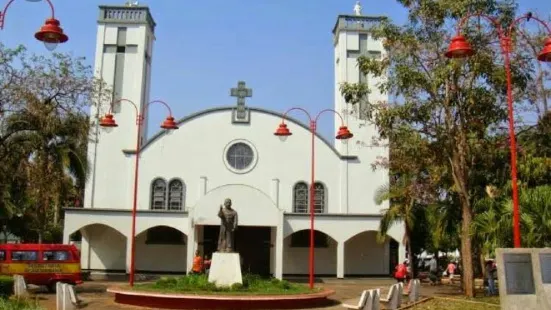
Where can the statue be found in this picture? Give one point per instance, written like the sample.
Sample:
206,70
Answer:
358,9
228,226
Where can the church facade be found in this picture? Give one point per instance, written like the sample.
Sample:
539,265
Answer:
180,189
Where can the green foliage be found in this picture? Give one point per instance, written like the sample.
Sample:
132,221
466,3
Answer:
252,284
19,304
6,286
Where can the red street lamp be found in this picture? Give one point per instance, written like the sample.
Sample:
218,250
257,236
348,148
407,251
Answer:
460,48
50,33
109,122
343,134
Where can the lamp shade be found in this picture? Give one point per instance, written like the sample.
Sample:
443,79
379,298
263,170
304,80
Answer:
282,131
459,48
545,54
51,33
169,123
344,133
108,121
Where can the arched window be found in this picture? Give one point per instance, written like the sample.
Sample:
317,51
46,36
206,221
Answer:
158,194
319,197
300,198
176,194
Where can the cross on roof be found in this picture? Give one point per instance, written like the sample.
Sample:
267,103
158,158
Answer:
241,92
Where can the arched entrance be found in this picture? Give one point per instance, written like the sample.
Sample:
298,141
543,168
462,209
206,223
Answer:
365,255
161,249
296,253
101,248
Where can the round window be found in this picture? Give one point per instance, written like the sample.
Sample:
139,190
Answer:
240,156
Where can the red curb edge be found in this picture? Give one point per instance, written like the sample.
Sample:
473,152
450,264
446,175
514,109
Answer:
187,301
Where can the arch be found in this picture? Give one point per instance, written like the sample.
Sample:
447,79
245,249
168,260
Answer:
300,197
163,234
103,247
320,197
252,109
297,248
263,213
176,195
361,232
365,255
72,231
289,233
158,192
169,245
145,229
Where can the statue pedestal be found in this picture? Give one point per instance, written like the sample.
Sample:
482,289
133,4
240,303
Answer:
225,269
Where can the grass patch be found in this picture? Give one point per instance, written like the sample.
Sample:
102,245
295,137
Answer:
199,285
19,304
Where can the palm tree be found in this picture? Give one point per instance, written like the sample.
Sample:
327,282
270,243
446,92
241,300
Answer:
402,209
54,145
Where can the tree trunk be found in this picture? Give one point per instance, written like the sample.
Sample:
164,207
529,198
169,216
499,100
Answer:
40,237
466,249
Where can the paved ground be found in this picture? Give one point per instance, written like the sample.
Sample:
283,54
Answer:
347,291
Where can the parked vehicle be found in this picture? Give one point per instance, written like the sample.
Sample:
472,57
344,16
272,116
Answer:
42,264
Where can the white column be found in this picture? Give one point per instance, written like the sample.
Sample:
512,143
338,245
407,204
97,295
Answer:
340,260
129,254
279,248
202,186
191,246
274,191
85,250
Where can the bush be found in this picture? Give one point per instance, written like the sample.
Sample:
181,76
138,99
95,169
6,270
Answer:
19,304
6,287
199,284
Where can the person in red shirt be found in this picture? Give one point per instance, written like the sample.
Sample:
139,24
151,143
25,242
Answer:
451,270
401,271
197,263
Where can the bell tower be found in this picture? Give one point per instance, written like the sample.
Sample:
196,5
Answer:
123,55
351,40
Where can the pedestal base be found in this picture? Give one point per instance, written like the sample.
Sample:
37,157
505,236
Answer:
225,269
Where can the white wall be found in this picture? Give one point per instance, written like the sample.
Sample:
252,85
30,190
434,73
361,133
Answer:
160,257
191,156
363,255
103,248
296,260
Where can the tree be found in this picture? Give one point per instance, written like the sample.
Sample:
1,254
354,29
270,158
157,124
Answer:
43,133
453,105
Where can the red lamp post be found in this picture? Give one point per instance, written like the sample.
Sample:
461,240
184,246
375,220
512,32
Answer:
460,48
50,33
343,134
109,122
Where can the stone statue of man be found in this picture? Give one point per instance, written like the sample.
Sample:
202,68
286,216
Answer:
228,225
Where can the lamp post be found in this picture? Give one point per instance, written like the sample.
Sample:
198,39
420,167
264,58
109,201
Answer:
109,122
460,48
50,33
283,132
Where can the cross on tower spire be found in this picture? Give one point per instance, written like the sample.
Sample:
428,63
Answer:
241,113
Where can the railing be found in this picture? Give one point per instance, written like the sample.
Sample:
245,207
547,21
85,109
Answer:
123,14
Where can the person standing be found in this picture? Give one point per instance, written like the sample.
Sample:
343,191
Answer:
433,271
451,271
197,263
490,277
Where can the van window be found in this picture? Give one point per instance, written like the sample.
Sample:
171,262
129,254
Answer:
2,255
55,255
24,255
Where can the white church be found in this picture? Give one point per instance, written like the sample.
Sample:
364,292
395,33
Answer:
235,155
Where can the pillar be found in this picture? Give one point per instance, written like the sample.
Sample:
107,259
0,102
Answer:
191,244
278,272
343,176
274,191
340,260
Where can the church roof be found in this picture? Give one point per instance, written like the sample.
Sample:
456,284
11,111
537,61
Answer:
253,109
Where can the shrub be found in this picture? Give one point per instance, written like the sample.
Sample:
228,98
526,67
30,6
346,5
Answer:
19,304
6,287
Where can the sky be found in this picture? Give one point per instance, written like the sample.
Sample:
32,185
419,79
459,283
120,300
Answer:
282,49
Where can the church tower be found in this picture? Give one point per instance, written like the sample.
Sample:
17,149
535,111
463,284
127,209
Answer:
351,40
124,47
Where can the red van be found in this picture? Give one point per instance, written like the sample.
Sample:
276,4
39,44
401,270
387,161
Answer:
42,264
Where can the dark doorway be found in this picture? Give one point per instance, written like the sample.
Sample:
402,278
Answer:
252,243
393,247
